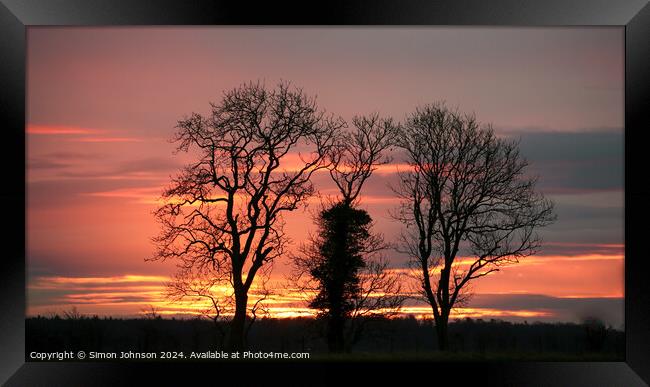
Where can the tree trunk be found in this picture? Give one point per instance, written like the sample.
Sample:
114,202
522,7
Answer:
335,340
235,341
441,330
445,307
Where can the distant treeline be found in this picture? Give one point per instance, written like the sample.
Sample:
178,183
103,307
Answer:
400,335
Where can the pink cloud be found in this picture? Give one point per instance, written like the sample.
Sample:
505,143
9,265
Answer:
106,139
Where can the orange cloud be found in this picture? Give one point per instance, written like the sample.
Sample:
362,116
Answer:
131,295
424,312
89,135
147,195
128,278
54,130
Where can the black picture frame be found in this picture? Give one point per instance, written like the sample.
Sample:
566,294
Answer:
17,15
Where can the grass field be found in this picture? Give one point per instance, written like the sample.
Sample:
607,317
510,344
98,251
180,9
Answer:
383,340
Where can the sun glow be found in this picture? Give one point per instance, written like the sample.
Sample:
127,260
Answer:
137,295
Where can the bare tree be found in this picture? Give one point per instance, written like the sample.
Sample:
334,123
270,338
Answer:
381,295
150,313
216,300
256,151
213,290
468,205
357,154
72,314
342,269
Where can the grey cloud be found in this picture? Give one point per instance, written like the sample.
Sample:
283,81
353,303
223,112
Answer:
61,160
45,164
152,164
595,246
575,162
55,193
75,156
610,310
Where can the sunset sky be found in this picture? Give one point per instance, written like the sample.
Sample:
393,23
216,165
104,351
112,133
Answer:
102,104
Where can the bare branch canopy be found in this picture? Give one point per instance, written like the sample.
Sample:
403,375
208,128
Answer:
255,154
465,196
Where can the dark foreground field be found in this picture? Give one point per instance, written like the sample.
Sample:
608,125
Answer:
395,339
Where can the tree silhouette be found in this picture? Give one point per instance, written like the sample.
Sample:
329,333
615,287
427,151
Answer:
222,216
468,205
217,298
343,264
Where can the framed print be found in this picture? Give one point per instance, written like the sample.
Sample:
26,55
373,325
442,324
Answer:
202,191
